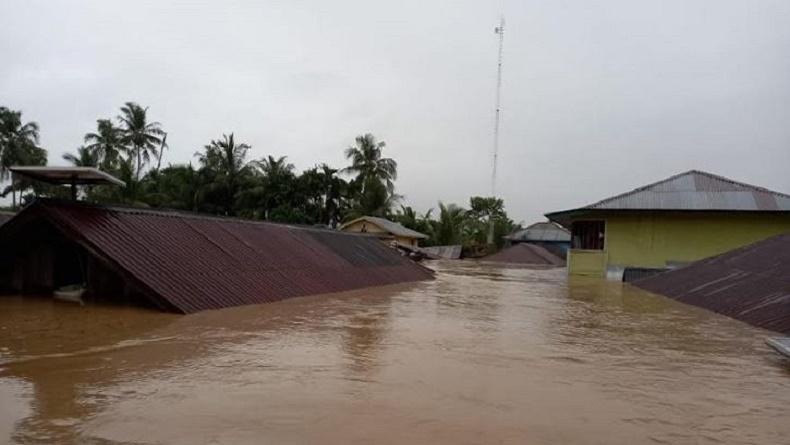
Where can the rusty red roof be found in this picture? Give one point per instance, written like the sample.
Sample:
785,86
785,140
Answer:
751,284
525,253
193,262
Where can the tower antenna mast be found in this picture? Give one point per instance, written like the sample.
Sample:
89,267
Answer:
500,30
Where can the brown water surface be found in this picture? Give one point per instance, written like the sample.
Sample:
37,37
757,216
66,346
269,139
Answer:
483,354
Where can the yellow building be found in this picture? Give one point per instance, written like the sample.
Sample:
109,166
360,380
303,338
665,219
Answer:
669,223
384,229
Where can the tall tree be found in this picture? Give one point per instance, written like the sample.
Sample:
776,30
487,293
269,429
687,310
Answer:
18,142
106,143
449,229
224,163
140,136
369,165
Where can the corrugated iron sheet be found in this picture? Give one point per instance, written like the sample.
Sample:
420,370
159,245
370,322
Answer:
697,190
525,253
5,216
692,191
446,252
751,284
196,262
542,231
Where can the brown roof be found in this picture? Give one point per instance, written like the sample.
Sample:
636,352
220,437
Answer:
526,254
189,262
751,284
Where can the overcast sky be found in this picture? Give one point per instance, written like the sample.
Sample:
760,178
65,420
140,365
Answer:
598,96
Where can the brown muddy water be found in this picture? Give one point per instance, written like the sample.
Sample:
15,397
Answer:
484,354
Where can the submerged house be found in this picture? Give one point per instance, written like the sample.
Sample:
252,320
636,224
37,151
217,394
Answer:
184,262
551,236
669,223
384,229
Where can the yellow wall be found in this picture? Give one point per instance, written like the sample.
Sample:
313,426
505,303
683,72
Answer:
587,262
373,228
653,240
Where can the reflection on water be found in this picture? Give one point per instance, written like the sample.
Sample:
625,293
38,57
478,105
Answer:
483,354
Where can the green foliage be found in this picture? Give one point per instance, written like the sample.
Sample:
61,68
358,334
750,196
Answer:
18,146
374,177
140,138
225,182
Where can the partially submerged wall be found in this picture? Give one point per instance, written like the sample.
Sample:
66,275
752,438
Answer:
751,284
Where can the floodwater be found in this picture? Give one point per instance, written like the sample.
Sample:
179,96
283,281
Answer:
484,354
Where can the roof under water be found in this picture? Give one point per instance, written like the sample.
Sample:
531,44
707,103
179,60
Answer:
189,262
525,253
751,284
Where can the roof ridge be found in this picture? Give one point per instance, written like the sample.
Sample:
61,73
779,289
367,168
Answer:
174,213
686,173
744,184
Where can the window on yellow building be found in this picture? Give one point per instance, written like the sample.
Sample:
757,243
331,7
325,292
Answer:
588,235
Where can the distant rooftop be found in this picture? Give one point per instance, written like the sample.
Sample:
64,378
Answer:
68,175
541,232
693,190
390,226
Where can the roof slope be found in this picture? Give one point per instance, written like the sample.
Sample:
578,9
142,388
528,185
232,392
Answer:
196,262
526,254
751,283
5,216
542,231
390,226
694,190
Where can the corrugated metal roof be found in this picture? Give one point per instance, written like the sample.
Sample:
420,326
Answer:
751,284
446,252
390,226
196,262
693,190
67,175
541,231
526,254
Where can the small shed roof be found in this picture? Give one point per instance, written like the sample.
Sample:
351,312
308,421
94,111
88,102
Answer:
693,190
390,226
541,232
68,175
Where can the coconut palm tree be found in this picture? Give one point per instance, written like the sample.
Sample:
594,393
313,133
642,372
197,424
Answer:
450,226
225,163
368,164
85,157
106,143
140,136
18,142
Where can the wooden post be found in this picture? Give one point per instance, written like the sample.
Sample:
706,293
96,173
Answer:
13,193
73,189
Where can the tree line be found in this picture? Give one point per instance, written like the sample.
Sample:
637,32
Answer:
225,181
